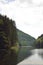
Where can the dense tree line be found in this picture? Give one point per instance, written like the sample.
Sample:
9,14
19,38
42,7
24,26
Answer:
8,39
39,42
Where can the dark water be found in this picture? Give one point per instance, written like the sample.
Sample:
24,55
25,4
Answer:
24,53
32,57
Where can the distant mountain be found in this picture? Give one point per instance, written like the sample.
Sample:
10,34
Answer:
25,39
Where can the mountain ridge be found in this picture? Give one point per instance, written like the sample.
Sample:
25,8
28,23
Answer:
25,39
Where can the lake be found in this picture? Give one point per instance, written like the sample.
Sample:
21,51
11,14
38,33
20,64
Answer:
33,57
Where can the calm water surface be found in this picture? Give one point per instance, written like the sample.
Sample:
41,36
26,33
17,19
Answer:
36,58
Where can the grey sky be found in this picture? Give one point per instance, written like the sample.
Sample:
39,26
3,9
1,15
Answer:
29,1
28,15
6,1
33,2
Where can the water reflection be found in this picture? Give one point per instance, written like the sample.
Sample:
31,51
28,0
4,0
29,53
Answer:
40,53
24,53
36,58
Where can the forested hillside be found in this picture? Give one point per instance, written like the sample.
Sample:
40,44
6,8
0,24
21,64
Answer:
25,39
39,42
8,41
11,39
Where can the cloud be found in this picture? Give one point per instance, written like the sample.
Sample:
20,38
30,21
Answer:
22,1
8,9
33,3
28,19
38,2
6,1
25,3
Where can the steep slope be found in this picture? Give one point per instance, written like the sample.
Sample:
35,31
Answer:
25,39
39,42
8,41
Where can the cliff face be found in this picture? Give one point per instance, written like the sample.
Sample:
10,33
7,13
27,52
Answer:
8,41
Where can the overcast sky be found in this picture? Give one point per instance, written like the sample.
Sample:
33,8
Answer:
28,15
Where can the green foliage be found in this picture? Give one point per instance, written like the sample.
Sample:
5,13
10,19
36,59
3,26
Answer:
8,41
1,22
39,42
25,39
